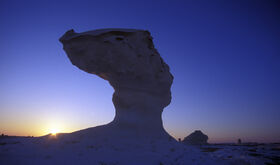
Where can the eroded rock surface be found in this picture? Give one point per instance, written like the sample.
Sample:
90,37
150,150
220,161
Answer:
141,79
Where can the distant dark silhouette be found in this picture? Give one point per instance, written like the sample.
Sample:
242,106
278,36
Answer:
239,141
196,138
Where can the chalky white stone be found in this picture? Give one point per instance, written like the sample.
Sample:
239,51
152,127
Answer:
141,79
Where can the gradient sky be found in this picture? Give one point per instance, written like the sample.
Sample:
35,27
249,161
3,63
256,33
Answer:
224,55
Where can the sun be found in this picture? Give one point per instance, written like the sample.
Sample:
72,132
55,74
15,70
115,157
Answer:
54,131
54,127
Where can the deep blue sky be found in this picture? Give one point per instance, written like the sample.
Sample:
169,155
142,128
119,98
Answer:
224,55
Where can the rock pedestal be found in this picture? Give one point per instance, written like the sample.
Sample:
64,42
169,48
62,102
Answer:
141,79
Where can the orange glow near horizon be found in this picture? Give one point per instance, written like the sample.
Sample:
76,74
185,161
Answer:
40,127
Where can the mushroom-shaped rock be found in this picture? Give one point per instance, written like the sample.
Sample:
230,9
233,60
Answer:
196,138
128,60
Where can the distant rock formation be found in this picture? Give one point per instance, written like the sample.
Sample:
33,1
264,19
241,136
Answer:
141,79
196,138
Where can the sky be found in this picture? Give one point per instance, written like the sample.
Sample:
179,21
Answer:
224,55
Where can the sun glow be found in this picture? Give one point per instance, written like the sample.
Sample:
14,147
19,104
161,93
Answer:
54,126
54,131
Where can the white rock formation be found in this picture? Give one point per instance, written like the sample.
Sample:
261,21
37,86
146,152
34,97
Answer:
196,138
141,79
